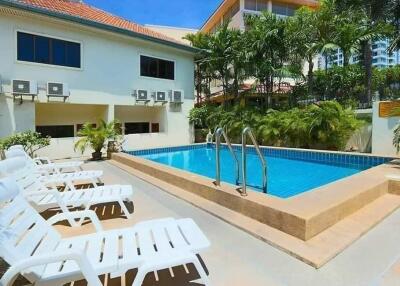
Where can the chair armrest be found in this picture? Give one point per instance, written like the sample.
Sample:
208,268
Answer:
82,261
40,160
77,214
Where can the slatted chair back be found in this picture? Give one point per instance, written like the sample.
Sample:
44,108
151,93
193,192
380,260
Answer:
23,172
15,153
23,232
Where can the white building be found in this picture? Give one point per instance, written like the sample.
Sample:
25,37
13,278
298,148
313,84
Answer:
176,33
102,64
381,58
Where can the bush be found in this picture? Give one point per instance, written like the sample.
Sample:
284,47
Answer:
31,141
326,125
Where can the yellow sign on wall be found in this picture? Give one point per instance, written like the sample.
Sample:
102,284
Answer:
389,108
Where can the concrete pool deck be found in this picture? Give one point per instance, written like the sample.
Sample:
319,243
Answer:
237,258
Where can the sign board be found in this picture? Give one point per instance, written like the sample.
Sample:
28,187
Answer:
389,108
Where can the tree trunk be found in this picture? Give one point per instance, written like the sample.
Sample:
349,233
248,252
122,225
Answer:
368,70
310,76
346,58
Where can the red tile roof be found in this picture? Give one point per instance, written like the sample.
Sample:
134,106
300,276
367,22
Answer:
80,9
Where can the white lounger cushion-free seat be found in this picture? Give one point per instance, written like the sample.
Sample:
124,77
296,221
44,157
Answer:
44,198
92,196
43,163
32,246
56,179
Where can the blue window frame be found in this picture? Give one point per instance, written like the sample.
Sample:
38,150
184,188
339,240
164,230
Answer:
45,50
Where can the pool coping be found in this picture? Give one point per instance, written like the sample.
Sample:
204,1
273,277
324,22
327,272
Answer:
316,251
303,216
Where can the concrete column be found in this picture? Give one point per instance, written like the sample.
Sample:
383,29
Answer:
241,4
110,113
270,5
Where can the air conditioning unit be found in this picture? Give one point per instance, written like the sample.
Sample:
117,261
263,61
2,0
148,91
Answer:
24,87
176,96
160,96
57,89
141,95
21,88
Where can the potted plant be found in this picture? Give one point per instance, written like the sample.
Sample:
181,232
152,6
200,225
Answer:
96,137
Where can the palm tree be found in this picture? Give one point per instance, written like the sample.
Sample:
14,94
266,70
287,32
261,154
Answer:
96,137
309,34
376,12
267,50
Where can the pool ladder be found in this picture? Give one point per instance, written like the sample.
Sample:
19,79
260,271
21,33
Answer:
246,132
218,133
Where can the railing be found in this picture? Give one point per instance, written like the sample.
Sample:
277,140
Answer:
220,132
249,132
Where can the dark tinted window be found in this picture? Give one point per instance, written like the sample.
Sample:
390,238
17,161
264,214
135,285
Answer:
155,127
59,53
59,131
25,47
39,49
157,68
137,128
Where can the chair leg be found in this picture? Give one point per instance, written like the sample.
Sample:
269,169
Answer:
124,209
202,273
140,277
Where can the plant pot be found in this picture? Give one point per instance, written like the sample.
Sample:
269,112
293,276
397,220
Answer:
96,156
111,148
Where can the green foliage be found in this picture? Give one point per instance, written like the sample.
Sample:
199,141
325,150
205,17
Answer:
96,137
31,141
198,116
346,84
326,125
272,49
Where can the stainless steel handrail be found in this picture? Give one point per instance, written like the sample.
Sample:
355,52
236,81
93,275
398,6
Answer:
220,132
248,131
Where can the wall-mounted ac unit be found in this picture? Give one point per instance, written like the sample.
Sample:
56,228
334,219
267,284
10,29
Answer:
176,96
21,88
161,96
57,90
141,95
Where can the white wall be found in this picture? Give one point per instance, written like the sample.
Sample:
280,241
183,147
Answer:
382,133
109,73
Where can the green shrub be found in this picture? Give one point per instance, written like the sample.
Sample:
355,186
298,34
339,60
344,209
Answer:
326,125
30,140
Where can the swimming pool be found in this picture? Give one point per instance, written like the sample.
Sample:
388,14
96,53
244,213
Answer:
290,171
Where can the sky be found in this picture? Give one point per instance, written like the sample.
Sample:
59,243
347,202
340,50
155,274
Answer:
177,13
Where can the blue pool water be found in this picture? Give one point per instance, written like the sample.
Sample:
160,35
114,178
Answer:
287,176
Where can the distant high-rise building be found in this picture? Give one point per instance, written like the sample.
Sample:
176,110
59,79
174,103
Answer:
381,58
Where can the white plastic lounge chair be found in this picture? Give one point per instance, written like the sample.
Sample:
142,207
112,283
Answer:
56,179
32,247
44,198
44,163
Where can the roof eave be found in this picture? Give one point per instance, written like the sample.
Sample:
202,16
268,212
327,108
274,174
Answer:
93,24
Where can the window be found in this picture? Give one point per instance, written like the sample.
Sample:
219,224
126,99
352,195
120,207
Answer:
250,5
155,128
58,131
283,9
158,68
137,128
80,126
44,50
